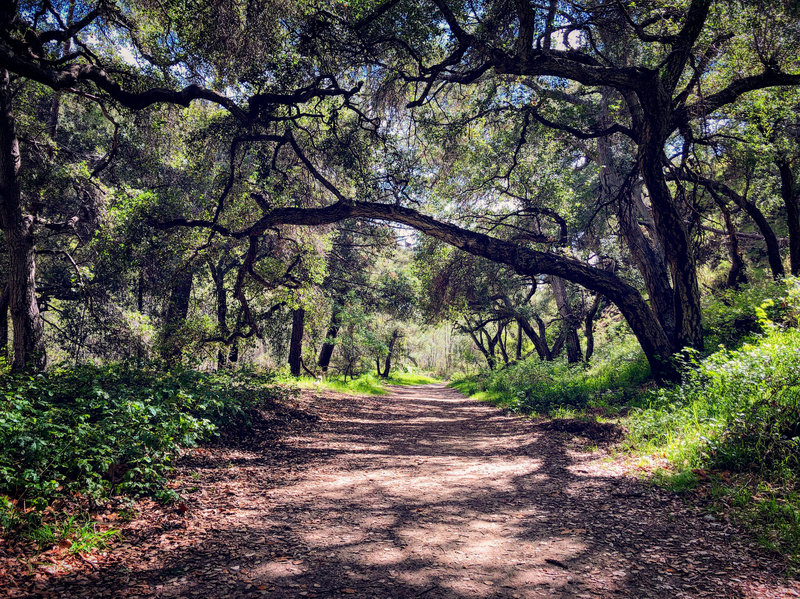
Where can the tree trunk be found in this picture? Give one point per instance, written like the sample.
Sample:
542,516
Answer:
296,343
570,322
501,343
770,239
736,275
326,351
674,237
791,199
546,353
518,352
218,276
558,346
649,260
175,319
29,347
387,364
588,328
4,323
483,348
539,344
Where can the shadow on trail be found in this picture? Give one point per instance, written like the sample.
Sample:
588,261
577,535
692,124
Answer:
427,494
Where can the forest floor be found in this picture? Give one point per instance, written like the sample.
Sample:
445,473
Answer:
422,493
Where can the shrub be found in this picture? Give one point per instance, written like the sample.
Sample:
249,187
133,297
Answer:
108,430
735,409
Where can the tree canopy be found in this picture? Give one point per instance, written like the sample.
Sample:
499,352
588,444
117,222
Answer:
162,166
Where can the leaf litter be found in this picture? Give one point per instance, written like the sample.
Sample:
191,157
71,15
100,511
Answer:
420,493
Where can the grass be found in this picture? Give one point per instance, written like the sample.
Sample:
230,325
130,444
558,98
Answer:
556,388
365,384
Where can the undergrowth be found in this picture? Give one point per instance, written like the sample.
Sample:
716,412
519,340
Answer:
556,388
365,384
80,435
734,420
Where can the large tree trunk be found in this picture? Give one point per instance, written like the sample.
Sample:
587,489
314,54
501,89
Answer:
648,258
674,238
29,347
175,319
791,199
296,343
326,351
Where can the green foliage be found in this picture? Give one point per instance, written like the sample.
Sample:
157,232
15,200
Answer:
96,431
731,315
366,384
735,409
534,386
739,411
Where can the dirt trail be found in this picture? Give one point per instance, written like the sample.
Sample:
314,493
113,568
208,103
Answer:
423,494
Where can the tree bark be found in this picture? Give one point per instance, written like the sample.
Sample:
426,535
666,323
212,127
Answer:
296,343
568,319
4,323
648,259
501,343
737,273
588,328
326,351
770,239
791,199
175,318
218,276
27,322
478,341
387,364
674,237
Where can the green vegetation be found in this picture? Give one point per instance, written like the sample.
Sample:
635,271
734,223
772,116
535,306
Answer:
536,387
565,194
736,414
85,433
365,384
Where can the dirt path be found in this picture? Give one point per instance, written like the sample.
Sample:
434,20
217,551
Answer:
422,494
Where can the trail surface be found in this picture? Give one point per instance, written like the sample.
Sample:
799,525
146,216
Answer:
421,494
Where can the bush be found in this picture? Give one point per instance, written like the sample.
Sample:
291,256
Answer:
739,411
98,431
735,409
729,316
